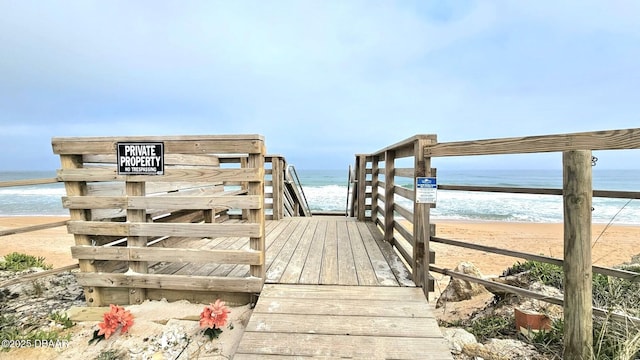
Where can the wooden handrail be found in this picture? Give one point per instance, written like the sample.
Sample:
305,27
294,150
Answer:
28,182
33,228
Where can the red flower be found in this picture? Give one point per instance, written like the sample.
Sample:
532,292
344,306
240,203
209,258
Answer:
108,326
112,320
214,315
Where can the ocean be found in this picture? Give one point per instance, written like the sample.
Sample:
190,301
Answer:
326,190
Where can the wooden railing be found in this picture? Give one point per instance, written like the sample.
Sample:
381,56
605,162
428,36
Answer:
376,198
410,231
159,209
283,195
282,199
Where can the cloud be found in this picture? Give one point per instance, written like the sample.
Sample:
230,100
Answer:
321,80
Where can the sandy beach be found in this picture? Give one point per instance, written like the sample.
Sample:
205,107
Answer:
614,246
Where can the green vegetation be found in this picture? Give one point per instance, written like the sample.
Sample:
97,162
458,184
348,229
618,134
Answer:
547,274
612,339
110,355
9,330
19,262
62,318
492,327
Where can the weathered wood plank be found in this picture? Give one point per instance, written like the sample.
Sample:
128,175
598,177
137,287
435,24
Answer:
294,268
169,202
163,229
342,346
329,271
595,140
312,267
166,254
346,262
381,268
277,267
218,144
344,324
353,307
225,269
203,269
334,292
137,189
364,269
243,270
31,228
170,175
399,270
153,188
173,282
27,182
277,239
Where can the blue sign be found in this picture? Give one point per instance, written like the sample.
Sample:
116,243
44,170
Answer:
426,190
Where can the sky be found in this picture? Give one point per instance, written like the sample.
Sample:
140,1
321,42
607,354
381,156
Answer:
320,80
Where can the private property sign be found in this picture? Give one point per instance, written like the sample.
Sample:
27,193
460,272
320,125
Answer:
140,158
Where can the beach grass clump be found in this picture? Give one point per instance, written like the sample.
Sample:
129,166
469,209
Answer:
494,326
61,318
19,262
536,271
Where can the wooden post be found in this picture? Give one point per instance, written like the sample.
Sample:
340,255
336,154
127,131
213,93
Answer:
93,295
353,200
389,184
421,219
137,295
577,199
277,186
374,188
256,216
362,187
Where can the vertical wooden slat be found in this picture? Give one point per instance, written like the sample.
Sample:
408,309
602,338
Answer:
277,180
137,295
362,187
374,187
93,295
389,201
245,185
577,200
353,209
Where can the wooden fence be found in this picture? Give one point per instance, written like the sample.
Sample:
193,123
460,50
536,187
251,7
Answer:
125,218
410,231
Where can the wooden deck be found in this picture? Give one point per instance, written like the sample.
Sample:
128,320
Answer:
295,321
334,289
321,250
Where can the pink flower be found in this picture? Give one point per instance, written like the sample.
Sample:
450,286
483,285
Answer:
108,326
112,320
214,315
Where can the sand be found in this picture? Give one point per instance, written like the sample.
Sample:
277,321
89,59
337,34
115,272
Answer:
614,246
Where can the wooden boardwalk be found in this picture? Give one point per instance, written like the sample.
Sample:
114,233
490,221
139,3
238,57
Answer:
335,290
326,321
321,250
